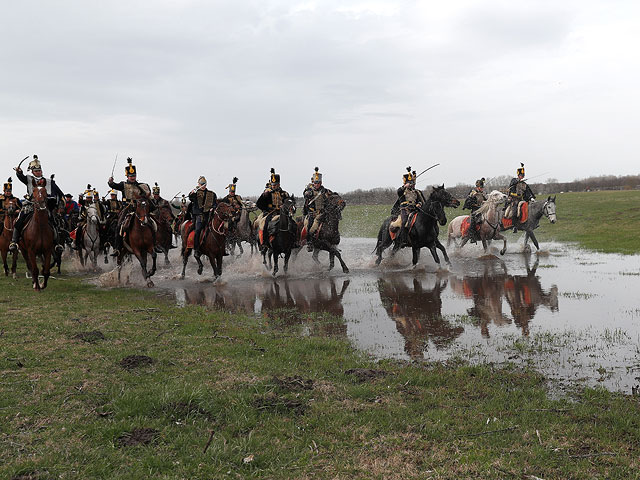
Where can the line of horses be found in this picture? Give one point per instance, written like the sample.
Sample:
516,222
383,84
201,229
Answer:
147,234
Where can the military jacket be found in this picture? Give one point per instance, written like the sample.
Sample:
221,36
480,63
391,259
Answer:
53,191
202,201
4,204
409,198
233,200
132,190
316,200
113,206
518,189
474,199
271,199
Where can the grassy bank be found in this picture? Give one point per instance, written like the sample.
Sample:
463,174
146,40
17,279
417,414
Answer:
607,221
123,384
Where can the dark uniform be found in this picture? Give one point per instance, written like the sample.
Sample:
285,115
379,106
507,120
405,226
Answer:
473,202
518,191
315,202
7,203
203,202
54,195
409,199
131,190
234,200
270,202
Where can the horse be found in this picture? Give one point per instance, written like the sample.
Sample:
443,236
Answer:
5,239
140,239
242,231
281,236
38,239
327,237
91,244
491,213
536,211
164,236
424,230
212,240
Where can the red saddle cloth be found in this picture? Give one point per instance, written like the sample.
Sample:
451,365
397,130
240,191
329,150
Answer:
73,233
192,234
465,225
524,216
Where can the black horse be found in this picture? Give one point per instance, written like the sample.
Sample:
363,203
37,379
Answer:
328,236
425,230
281,236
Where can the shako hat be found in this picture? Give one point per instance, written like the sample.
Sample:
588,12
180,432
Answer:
232,185
89,191
156,189
34,164
183,200
113,192
317,176
521,169
8,185
130,168
409,176
480,183
275,177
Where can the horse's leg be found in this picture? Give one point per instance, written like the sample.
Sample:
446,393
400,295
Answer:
534,239
336,252
154,257
314,256
275,263
33,263
185,258
434,254
443,250
332,257
14,264
498,236
4,261
212,260
240,248
46,268
416,256
286,261
200,264
484,244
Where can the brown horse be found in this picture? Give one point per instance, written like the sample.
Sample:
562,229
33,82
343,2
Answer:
5,238
164,236
38,239
140,239
212,240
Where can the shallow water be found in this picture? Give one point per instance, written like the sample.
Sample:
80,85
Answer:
572,314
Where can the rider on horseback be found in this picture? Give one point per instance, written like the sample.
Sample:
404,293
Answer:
269,202
203,202
315,202
54,195
132,190
5,202
518,191
409,199
113,205
235,201
473,202
159,201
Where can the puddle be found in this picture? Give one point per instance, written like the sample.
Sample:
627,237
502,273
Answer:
570,313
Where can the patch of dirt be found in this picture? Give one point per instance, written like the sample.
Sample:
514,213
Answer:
293,384
135,361
366,374
278,404
138,436
90,337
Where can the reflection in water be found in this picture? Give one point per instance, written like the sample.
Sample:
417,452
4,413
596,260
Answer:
417,312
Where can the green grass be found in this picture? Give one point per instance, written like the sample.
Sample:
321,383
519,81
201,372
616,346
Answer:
607,221
66,405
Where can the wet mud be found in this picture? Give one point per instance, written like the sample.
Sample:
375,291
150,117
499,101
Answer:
572,314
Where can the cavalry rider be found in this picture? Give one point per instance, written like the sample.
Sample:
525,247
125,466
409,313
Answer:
132,190
203,202
409,199
113,205
54,195
5,200
159,201
473,202
269,202
235,201
89,198
518,191
71,208
315,201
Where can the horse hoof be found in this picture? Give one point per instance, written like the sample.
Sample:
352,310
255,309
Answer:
502,252
200,270
150,283
345,270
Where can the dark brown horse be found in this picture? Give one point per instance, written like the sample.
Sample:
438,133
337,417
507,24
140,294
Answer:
5,238
212,240
164,236
328,236
139,239
38,239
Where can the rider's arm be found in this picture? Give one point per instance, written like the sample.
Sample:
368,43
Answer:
21,176
116,186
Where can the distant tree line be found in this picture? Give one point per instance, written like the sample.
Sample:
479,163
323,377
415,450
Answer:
386,196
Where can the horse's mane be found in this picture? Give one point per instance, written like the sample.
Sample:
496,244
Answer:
490,203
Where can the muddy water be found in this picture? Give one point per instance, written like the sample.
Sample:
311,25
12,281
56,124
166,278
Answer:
572,314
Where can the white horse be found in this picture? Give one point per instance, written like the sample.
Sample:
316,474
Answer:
491,214
91,238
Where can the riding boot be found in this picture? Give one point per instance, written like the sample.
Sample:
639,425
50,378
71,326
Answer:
117,247
15,237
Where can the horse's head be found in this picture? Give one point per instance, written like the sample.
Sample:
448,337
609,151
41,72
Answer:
439,194
12,209
441,216
249,206
496,196
92,214
224,211
142,210
288,206
549,209
40,197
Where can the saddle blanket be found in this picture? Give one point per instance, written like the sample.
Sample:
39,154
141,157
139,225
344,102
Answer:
507,222
465,225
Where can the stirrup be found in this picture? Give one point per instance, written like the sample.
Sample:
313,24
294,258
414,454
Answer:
115,253
13,247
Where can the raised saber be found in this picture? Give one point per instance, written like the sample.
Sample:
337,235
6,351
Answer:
113,169
21,162
426,170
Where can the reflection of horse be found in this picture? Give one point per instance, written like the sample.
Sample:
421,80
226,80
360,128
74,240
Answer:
417,313
424,230
140,239
491,213
164,236
90,248
212,241
536,211
38,239
327,237
281,235
5,239
242,231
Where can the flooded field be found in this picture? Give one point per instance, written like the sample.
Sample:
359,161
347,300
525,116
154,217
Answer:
574,315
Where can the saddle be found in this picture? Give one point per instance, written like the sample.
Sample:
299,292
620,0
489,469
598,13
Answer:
394,226
466,225
523,214
126,224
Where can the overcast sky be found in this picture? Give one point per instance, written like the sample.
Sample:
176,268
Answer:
361,89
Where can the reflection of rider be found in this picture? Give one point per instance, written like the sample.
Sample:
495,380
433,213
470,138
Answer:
269,202
6,199
474,200
203,202
54,195
518,191
409,199
132,190
315,203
